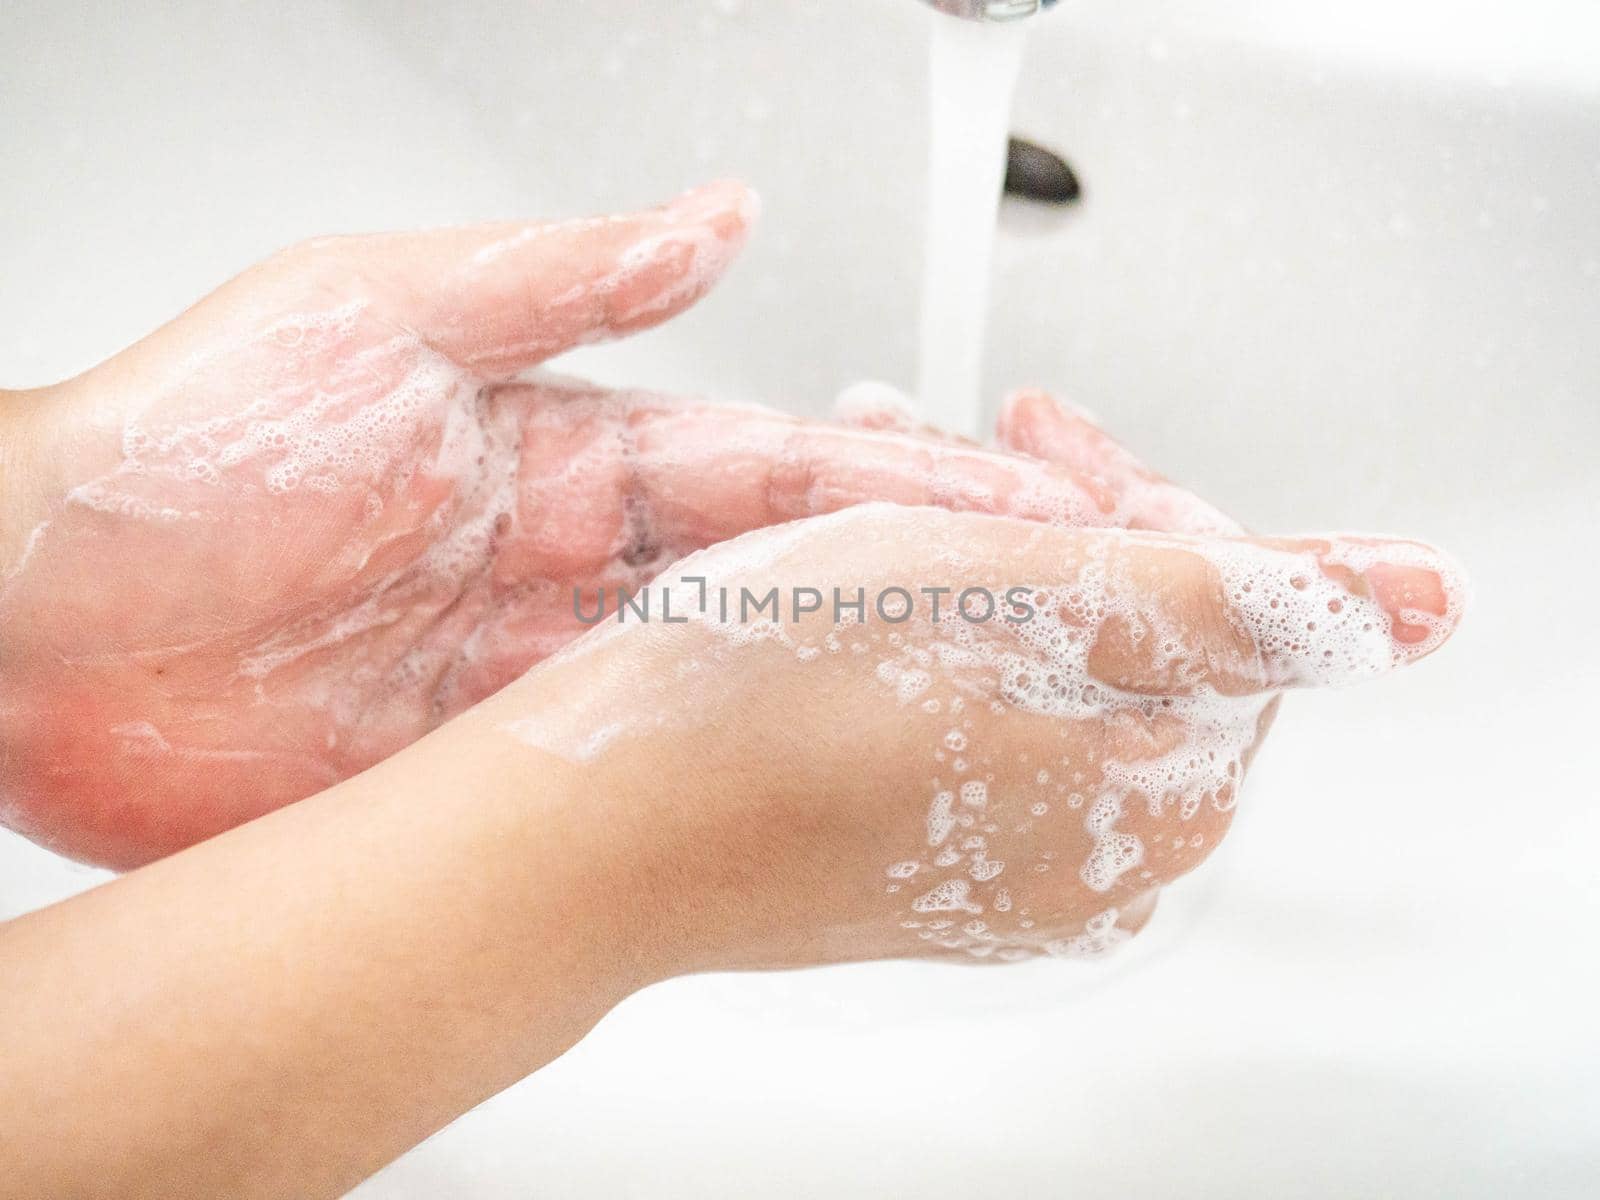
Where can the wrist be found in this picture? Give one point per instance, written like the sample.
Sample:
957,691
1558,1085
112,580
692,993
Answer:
576,856
52,439
642,825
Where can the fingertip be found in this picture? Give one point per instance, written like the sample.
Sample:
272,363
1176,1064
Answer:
1039,423
1422,590
871,404
1336,609
729,207
1026,414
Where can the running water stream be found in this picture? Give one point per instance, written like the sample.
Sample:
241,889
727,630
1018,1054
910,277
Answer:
972,74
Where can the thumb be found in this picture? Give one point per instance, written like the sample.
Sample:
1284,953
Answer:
501,298
1244,615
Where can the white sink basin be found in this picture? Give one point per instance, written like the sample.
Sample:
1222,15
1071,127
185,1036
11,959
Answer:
1336,266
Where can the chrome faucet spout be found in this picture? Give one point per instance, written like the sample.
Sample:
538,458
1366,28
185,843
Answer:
991,10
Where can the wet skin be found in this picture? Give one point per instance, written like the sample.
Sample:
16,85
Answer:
315,516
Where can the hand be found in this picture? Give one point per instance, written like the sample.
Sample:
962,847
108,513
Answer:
311,519
808,791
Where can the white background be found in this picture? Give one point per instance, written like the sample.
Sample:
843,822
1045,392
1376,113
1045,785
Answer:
1337,266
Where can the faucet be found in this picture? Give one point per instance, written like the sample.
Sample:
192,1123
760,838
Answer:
991,10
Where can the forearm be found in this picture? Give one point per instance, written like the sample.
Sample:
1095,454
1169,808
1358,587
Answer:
285,1008
20,506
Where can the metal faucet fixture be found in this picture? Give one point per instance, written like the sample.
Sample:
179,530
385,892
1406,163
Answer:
991,10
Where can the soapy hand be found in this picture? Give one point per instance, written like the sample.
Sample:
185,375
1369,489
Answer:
313,518
986,705
1012,777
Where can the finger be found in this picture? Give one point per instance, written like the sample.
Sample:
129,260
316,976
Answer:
605,475
501,298
873,405
1247,615
886,409
1035,423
